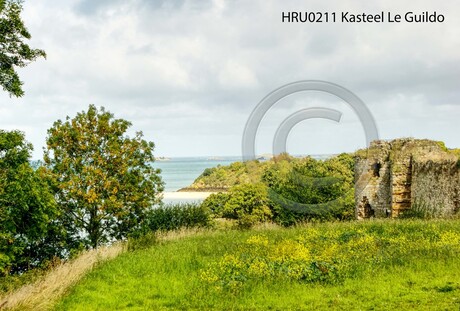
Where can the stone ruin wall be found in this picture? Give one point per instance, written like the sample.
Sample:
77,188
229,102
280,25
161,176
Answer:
394,176
436,187
372,182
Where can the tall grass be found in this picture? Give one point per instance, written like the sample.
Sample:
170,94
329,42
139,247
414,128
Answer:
379,265
43,293
177,216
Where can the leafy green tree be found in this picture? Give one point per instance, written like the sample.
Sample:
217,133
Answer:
104,180
13,51
29,233
216,203
312,189
248,204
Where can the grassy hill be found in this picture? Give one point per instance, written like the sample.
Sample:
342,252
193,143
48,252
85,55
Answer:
221,178
378,265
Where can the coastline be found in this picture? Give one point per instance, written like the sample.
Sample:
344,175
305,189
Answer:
205,190
189,196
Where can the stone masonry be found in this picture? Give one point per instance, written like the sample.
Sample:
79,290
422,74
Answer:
392,177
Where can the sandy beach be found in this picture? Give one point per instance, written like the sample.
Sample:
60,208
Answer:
185,196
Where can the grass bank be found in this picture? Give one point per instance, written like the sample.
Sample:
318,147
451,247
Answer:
48,288
379,265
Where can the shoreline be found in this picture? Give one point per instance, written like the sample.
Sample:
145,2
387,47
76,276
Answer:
210,190
186,195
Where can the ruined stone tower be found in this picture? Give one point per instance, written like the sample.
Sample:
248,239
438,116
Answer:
392,177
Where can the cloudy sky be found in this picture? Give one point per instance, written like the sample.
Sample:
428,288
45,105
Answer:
188,73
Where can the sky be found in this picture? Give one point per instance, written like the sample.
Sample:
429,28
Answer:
189,73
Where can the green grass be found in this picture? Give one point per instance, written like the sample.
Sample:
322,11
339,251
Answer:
380,265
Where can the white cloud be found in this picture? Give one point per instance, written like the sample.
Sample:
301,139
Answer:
188,73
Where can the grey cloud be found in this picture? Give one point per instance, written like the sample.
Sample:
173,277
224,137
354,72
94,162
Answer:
91,8
88,7
186,71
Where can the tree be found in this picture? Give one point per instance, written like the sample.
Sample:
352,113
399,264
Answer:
104,180
248,204
13,51
312,189
28,212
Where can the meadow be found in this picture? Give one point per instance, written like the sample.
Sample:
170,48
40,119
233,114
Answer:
369,265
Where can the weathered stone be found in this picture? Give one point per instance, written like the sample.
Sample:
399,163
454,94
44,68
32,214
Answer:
394,176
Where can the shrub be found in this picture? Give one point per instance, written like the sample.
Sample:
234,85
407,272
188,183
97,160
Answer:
216,203
309,189
248,204
177,216
287,190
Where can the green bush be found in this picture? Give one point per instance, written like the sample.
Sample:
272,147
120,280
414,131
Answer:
248,204
289,191
177,216
216,203
309,189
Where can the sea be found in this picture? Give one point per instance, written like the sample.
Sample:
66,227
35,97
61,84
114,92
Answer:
180,172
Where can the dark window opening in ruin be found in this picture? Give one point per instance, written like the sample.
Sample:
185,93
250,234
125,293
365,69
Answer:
376,169
368,211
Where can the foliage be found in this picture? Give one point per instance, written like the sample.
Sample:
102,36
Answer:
247,203
104,180
442,145
176,216
304,189
221,178
29,234
312,181
14,52
417,268
299,189
216,203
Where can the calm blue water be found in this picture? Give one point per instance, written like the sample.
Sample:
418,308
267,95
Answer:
178,173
